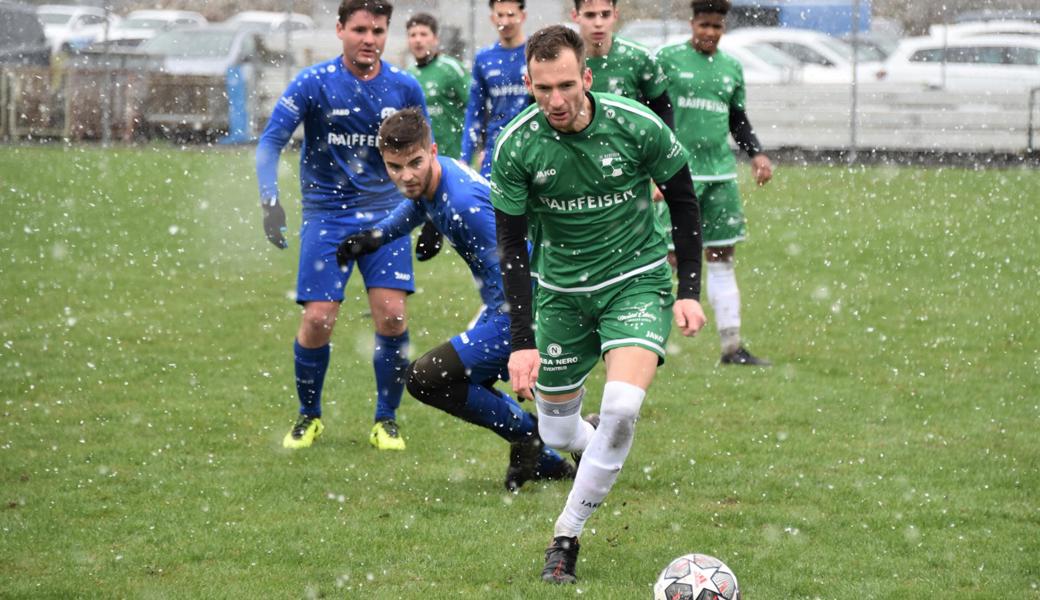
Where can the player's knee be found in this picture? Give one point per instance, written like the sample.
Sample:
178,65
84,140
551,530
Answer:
391,323
621,402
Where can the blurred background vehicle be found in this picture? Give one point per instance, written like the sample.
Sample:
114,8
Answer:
71,27
271,22
141,25
977,28
983,63
22,37
208,50
654,33
824,59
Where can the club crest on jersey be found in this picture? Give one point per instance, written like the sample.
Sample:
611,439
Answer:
611,165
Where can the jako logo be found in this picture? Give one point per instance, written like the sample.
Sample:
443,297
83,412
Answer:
541,176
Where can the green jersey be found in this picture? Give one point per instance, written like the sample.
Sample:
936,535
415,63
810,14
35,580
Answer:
446,86
703,89
628,70
587,194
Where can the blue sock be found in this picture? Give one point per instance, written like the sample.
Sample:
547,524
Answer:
311,364
390,361
499,413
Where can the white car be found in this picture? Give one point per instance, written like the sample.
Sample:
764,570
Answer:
141,25
652,32
263,21
975,29
70,27
825,59
984,63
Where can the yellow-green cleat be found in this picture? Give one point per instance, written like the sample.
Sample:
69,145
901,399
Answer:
304,432
386,436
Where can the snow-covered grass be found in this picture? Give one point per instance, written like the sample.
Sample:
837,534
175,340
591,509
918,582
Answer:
145,345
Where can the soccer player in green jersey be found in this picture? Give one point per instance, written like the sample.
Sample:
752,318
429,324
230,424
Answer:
707,90
445,84
571,173
619,66
444,81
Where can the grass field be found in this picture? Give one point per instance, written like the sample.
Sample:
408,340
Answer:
145,344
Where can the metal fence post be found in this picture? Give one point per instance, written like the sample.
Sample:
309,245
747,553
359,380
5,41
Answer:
1031,126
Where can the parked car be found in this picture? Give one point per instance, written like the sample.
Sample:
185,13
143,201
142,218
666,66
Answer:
264,21
71,27
141,25
204,50
807,46
992,14
653,33
824,59
977,28
22,39
984,63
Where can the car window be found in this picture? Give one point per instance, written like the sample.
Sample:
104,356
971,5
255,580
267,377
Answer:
53,18
928,55
93,20
1023,56
983,55
803,53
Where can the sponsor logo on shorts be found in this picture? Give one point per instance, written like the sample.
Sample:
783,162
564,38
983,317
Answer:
557,362
639,315
402,276
554,350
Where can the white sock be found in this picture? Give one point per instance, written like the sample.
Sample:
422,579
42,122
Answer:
560,424
604,456
724,297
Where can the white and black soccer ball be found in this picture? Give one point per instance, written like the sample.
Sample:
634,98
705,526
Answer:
696,577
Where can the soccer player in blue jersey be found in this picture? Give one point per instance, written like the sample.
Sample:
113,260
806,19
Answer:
458,376
345,188
497,93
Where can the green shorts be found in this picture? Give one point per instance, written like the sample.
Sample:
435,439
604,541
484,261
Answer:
722,217
575,330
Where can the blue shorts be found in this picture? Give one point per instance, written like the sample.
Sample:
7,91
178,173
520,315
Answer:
320,278
484,349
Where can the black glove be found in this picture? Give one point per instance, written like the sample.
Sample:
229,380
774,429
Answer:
429,242
357,245
274,223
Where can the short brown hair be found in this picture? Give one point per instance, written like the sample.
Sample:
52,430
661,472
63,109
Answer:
546,44
422,19
491,3
404,130
380,8
720,7
578,3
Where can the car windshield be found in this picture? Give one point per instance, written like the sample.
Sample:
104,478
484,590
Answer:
49,18
191,44
838,47
771,55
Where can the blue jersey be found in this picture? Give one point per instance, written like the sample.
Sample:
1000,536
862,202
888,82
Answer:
461,210
496,95
340,166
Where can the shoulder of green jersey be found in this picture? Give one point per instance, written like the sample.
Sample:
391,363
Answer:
669,49
529,113
633,45
454,65
632,108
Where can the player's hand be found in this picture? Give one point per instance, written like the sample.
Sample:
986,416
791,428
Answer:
523,372
429,242
762,169
357,245
689,316
274,223
656,194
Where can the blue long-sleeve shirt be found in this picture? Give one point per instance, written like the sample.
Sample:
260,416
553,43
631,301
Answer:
461,210
496,95
340,166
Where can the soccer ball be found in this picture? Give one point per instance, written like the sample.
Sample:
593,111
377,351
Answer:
696,577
